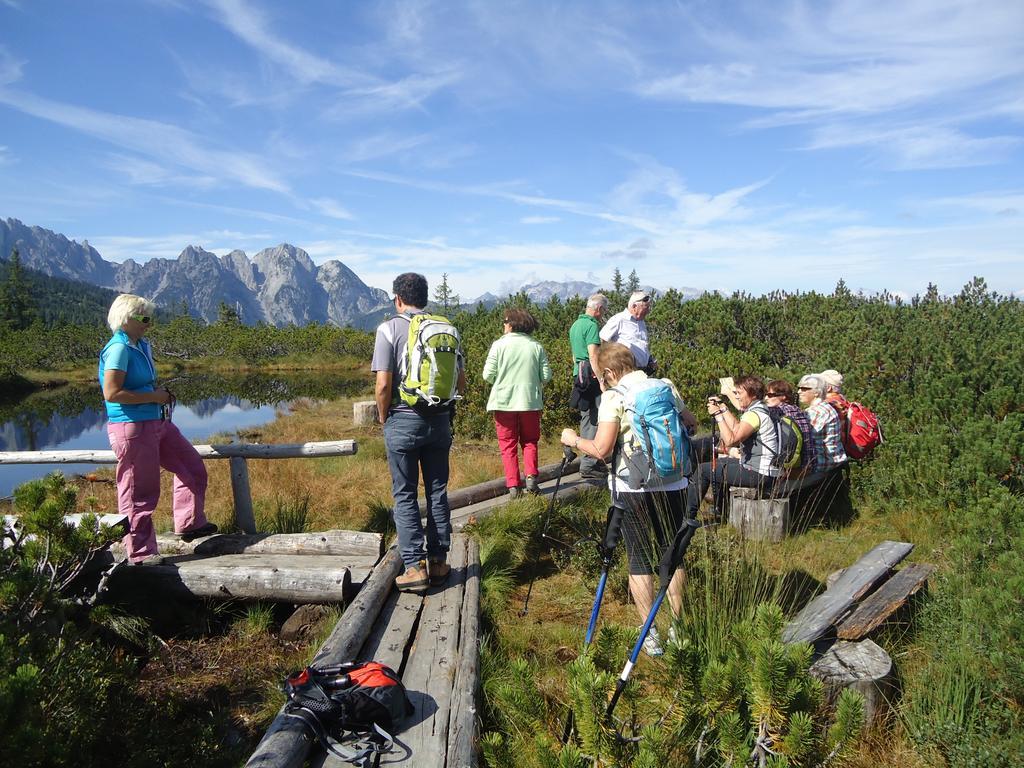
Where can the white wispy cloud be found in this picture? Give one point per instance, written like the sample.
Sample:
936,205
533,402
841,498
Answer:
908,69
160,141
332,208
10,67
539,219
381,145
362,92
148,173
5,155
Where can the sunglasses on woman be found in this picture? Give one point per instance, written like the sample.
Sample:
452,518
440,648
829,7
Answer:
144,319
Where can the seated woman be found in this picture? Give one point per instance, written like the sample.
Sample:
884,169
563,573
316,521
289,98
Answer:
825,421
753,433
780,395
652,515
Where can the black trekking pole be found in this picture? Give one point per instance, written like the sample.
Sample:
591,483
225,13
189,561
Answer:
567,456
606,548
670,561
714,468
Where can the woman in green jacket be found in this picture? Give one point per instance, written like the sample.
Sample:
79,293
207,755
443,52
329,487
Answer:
517,367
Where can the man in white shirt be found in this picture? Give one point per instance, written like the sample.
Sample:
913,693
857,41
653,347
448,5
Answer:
628,328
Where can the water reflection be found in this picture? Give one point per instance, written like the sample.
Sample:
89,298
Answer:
73,418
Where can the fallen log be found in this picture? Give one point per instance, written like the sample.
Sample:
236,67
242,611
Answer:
491,489
306,579
357,544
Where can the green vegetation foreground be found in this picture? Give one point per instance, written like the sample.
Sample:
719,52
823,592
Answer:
943,373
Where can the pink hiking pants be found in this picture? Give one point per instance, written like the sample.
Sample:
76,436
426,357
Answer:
517,428
142,448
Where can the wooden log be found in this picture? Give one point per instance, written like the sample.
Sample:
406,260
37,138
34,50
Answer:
227,451
242,495
858,580
306,579
462,517
491,489
862,666
883,603
286,743
430,669
358,544
463,732
364,413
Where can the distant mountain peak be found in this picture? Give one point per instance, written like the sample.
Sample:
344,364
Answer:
278,285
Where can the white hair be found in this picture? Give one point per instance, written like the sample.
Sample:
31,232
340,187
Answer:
597,301
126,305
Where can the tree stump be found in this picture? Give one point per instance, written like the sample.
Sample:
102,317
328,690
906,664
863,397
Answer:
758,519
862,666
364,413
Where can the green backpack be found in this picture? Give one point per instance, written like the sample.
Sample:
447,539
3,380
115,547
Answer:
432,361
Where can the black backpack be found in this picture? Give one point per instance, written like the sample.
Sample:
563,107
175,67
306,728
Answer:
356,704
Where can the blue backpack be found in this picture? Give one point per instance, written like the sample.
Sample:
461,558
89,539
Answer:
659,450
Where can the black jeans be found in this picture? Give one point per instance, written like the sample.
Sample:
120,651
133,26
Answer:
728,472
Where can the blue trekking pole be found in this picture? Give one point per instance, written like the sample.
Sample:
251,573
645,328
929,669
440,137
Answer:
613,523
670,561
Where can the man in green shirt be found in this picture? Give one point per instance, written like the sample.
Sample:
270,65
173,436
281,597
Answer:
584,340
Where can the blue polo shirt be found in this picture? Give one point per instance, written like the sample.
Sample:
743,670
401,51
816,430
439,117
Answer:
136,360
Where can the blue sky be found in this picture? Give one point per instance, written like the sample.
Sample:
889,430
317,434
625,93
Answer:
716,145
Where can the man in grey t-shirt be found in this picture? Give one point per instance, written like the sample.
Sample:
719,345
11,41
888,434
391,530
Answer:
414,439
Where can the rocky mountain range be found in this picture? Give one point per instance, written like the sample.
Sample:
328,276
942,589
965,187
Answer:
277,285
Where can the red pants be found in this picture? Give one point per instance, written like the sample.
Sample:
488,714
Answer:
517,428
142,448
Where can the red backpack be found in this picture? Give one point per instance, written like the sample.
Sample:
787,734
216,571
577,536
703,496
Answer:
862,431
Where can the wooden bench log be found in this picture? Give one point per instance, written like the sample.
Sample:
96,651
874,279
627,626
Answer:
364,413
856,581
862,666
884,602
358,544
286,743
286,578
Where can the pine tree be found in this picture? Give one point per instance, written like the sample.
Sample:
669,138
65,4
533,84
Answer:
227,314
617,281
445,299
632,282
17,310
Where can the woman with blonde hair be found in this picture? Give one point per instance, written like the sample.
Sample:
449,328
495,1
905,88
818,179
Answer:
142,435
652,514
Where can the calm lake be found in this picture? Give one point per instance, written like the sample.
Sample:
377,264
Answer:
73,417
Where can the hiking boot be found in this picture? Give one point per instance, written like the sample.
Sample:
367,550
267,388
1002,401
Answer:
438,569
532,486
514,492
652,643
415,579
203,530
